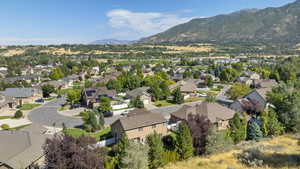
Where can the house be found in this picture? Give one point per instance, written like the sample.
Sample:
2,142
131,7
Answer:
109,76
6,103
142,92
256,99
91,96
187,88
22,95
138,124
217,114
264,83
27,78
248,77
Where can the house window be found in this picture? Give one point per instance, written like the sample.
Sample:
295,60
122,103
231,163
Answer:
141,129
154,126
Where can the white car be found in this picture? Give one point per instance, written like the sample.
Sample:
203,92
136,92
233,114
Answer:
202,95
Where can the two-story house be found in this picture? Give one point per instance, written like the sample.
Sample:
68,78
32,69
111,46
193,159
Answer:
138,124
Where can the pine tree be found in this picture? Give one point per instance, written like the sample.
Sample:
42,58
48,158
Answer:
254,131
238,127
177,96
135,156
155,154
185,142
122,146
270,124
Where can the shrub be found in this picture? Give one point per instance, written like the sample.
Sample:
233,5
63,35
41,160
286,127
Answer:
18,114
250,157
5,126
170,156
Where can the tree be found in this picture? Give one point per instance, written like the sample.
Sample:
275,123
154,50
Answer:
199,126
217,141
177,96
56,74
237,90
47,89
286,99
105,105
73,96
91,123
155,153
135,156
237,128
185,142
122,146
209,81
254,131
18,114
114,84
137,102
66,152
270,124
228,74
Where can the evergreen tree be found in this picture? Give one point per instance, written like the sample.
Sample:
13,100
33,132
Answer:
237,129
135,156
185,142
254,131
155,154
217,141
270,124
177,96
105,105
122,146
137,102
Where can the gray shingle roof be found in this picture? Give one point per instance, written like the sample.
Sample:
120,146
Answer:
213,111
141,119
19,92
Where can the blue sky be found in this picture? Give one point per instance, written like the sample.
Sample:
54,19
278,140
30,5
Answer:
83,21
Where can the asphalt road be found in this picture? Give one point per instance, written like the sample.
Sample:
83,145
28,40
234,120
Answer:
47,115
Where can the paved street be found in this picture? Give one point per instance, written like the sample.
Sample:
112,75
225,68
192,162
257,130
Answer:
47,115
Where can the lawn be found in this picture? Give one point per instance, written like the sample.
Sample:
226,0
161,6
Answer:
193,99
29,106
5,117
19,127
163,103
277,152
99,135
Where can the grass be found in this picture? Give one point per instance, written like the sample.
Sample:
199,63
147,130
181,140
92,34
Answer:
5,117
278,152
29,106
163,103
193,99
99,135
19,127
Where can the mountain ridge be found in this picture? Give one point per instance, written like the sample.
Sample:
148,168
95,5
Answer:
274,24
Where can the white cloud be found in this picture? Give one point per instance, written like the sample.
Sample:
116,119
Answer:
139,24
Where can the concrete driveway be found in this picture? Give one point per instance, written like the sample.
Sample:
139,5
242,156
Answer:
47,115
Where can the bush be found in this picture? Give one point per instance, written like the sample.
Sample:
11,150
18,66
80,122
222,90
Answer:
18,114
251,157
5,126
170,156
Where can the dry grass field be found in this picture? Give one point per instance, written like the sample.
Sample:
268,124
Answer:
280,152
189,48
12,52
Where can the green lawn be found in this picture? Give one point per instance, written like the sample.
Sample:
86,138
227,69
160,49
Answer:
29,106
163,103
193,99
99,135
5,117
19,127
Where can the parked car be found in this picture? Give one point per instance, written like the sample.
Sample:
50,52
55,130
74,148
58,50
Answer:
40,100
202,95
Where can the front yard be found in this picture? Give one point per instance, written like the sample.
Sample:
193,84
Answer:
29,106
99,135
163,103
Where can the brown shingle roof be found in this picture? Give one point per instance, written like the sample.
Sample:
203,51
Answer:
213,111
141,118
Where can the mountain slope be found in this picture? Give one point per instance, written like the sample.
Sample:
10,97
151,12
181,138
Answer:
270,24
112,42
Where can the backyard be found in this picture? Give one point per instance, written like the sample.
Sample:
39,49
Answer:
99,135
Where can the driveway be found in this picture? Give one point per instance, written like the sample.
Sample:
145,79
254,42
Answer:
47,115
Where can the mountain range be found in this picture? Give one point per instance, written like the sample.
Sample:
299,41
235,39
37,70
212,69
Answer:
281,24
112,42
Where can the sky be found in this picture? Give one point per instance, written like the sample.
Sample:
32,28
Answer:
24,22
